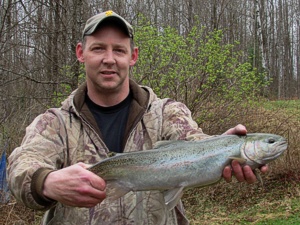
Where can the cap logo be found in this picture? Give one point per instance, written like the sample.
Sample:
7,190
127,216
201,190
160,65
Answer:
108,13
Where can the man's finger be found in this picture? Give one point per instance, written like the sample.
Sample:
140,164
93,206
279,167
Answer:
249,175
227,174
238,171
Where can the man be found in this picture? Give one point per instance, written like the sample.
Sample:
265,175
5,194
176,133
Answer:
109,112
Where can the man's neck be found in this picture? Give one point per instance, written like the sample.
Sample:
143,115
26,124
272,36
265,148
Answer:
107,99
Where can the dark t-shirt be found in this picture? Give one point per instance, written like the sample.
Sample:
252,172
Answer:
111,122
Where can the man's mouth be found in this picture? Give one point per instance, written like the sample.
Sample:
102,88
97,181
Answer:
108,72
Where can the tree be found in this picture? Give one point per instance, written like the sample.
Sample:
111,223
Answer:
38,67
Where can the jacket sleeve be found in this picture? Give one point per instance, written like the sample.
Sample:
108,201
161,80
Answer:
178,123
41,152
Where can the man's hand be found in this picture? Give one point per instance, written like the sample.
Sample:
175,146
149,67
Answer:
245,173
238,129
75,186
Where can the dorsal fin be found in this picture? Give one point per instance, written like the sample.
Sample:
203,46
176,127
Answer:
160,144
111,154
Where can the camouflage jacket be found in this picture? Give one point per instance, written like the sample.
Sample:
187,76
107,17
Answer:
68,135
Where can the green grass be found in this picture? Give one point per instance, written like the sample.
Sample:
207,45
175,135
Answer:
292,107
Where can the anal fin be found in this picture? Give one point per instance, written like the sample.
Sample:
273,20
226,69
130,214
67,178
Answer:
115,190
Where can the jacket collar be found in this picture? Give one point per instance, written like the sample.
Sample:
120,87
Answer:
140,95
139,105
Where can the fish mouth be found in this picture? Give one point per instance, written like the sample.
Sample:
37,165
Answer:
281,146
272,157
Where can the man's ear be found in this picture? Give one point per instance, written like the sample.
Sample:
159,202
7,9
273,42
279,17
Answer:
79,52
134,56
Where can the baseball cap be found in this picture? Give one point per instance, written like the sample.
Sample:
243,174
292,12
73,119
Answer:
93,22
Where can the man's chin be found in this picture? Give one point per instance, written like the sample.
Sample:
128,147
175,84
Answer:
111,86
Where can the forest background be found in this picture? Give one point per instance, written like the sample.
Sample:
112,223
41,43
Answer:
222,58
207,54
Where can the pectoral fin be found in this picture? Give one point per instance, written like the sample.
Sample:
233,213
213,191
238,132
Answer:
172,197
240,160
257,174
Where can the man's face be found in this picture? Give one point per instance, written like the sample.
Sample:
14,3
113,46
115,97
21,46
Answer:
107,57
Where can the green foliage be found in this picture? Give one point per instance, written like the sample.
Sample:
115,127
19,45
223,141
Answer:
65,88
198,70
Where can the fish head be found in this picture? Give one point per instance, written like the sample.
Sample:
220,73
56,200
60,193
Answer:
260,148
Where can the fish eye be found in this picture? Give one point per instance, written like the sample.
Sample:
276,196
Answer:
271,140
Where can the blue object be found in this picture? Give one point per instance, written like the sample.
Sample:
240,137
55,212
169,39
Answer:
4,192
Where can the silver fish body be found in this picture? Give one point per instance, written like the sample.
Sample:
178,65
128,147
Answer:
175,165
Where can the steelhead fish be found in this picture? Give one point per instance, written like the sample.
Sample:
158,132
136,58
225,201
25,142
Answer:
173,166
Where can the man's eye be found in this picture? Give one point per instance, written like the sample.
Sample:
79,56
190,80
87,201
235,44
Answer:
97,49
120,50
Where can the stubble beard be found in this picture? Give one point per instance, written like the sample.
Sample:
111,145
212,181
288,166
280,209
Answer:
110,86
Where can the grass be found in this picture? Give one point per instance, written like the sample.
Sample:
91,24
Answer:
288,105
291,107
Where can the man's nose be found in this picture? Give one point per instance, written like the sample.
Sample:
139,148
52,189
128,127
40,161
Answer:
109,57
